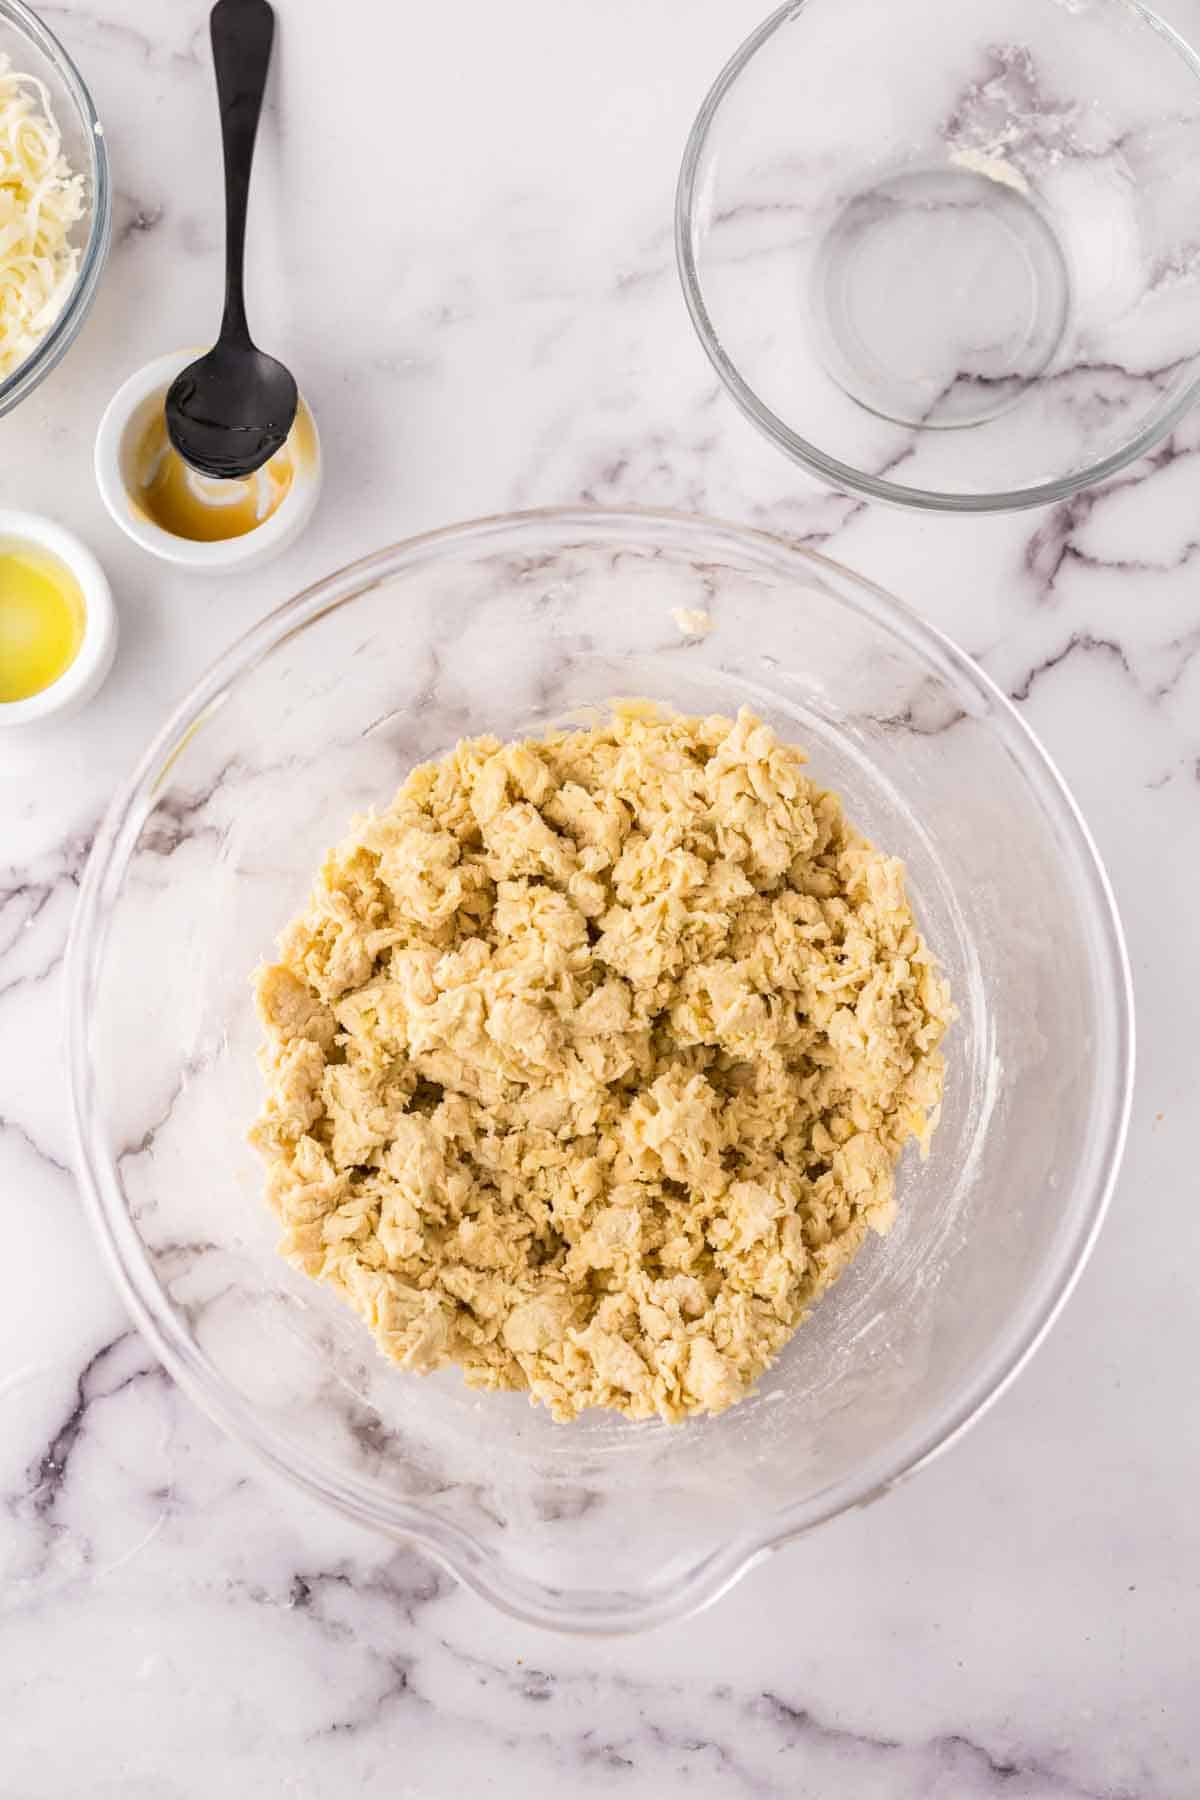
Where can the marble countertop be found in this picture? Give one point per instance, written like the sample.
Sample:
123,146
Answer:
1022,1620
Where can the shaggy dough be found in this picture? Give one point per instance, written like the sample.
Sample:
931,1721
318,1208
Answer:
590,1062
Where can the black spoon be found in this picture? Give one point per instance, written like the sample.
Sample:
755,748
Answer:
230,411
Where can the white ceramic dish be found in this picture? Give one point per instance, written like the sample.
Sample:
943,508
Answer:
117,440
80,679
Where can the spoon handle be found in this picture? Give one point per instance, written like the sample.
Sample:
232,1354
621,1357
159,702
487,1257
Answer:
242,33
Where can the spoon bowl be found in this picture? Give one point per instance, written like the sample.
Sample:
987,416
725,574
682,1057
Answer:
231,410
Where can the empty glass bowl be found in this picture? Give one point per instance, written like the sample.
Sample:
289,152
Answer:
944,252
34,50
507,625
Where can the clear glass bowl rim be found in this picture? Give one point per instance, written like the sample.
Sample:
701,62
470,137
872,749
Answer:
830,469
585,1611
62,334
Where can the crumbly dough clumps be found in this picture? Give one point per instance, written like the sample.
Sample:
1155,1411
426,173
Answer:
589,1064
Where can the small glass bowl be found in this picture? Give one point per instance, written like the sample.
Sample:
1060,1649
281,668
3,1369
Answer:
944,252
507,625
34,50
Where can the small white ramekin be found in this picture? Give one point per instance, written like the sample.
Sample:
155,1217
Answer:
80,679
126,418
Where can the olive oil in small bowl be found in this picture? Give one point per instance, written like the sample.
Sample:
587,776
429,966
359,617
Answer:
42,621
57,622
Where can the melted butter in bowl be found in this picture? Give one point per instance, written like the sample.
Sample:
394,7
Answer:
201,508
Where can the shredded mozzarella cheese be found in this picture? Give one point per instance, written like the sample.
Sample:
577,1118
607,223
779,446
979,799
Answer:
41,199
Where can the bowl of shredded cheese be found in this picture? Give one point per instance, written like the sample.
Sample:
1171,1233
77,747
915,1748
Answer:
55,201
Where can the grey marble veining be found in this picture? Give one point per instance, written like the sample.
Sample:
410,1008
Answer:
1021,1622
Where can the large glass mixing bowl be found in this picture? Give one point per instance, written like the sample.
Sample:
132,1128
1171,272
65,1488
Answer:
505,625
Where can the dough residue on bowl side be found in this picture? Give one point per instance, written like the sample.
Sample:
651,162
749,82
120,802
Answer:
590,1061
